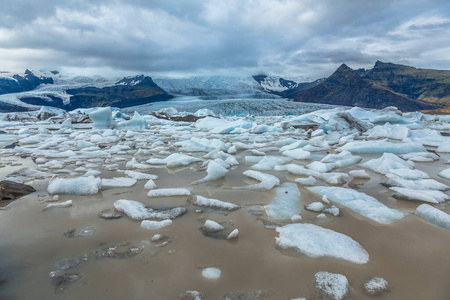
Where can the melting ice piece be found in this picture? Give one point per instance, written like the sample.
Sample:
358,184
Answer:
315,206
211,273
81,186
67,203
316,242
169,192
268,162
361,203
387,162
445,174
382,147
211,227
430,196
233,234
137,123
359,174
215,171
118,182
267,181
331,285
138,211
206,202
140,176
174,160
433,215
285,204
155,225
375,286
150,185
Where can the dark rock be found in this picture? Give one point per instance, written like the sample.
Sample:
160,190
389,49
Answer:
185,118
70,233
12,146
10,190
108,214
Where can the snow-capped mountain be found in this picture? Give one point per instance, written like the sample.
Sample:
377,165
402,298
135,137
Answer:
275,84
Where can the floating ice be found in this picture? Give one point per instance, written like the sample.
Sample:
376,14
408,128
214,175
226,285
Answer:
382,147
315,206
331,285
264,128
136,165
67,124
118,182
211,226
267,181
211,273
64,204
420,156
306,181
138,211
102,118
231,126
316,242
359,202
150,185
140,176
81,186
445,174
214,203
209,123
444,147
375,286
155,225
342,160
201,145
433,215
266,163
397,132
330,178
285,204
359,174
137,123
174,160
320,167
387,162
414,183
169,192
215,171
298,153
412,194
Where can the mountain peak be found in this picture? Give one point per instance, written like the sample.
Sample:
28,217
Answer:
345,73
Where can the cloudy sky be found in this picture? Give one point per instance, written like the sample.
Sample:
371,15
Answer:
308,38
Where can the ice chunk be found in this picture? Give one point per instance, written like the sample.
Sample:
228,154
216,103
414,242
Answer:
118,182
285,204
375,286
320,167
359,202
330,178
102,118
67,203
150,185
209,123
444,147
67,123
264,128
169,192
445,174
138,211
331,285
215,171
137,123
430,196
306,181
214,203
341,160
382,147
298,153
420,156
191,295
316,242
136,165
359,174
408,174
201,145
211,273
211,226
266,163
315,206
139,175
155,225
397,132
174,160
231,126
387,162
267,181
415,184
81,186
233,234
433,215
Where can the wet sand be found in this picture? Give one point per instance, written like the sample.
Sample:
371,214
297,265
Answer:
410,254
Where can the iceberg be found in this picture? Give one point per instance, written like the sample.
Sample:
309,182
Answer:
102,118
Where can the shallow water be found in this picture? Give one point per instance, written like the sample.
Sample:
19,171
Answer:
410,254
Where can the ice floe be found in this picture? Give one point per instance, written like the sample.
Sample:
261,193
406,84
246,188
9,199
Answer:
433,215
138,211
382,147
387,162
267,181
169,192
118,182
215,171
214,203
81,186
211,273
316,242
285,204
375,286
331,285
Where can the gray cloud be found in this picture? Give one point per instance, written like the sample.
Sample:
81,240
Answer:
285,37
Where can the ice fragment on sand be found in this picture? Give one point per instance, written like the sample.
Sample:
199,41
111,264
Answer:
206,202
433,215
211,226
315,206
67,203
191,295
331,285
139,175
267,181
118,182
430,196
138,211
150,185
211,273
155,225
359,202
382,147
285,204
233,234
169,192
359,174
215,171
306,181
445,174
375,286
81,186
387,162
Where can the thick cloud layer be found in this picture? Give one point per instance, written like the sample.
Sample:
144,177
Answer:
285,37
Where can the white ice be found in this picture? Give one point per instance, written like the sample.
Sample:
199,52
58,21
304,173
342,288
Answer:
333,286
431,196
234,234
433,215
359,202
214,203
81,186
387,162
140,176
174,160
317,242
267,181
215,171
285,204
382,147
102,118
118,182
212,226
211,273
169,192
155,225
